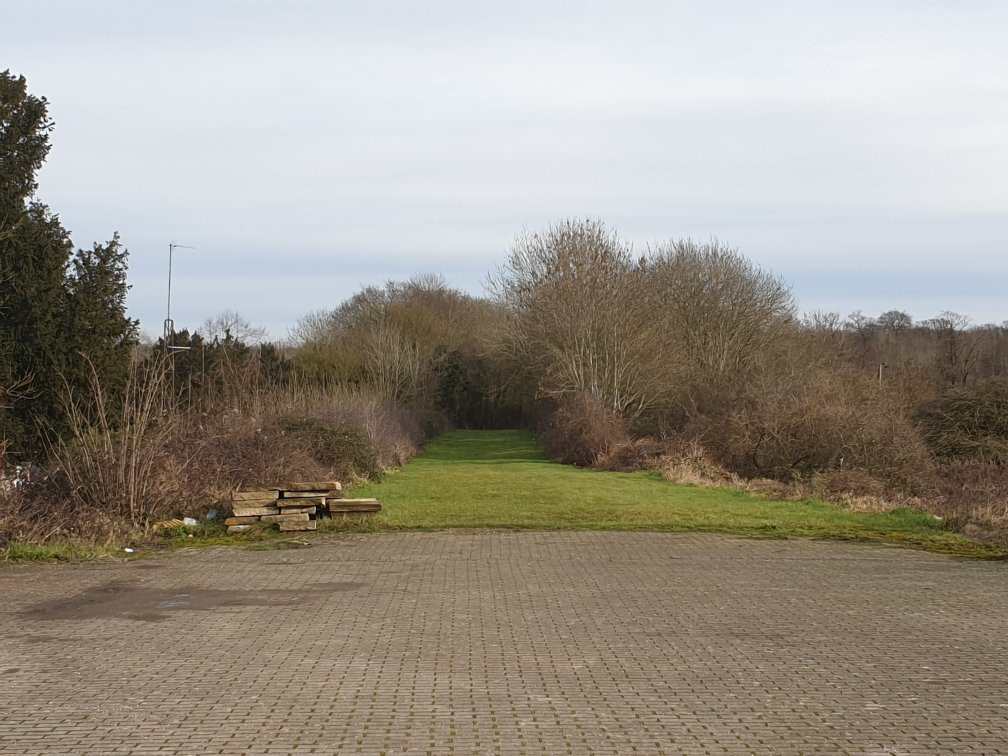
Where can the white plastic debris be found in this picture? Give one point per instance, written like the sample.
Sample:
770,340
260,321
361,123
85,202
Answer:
189,522
128,550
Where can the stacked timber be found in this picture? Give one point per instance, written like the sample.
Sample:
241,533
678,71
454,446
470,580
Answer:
292,506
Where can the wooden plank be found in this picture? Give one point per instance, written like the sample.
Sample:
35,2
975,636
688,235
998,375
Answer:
239,511
281,518
239,528
254,495
299,485
306,494
254,502
304,501
353,505
335,507
311,485
241,521
287,526
298,510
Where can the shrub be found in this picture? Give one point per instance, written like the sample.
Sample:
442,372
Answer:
973,496
969,423
790,429
580,431
150,457
396,432
341,448
630,455
689,463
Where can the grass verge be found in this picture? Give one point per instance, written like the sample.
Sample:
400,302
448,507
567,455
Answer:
500,479
53,552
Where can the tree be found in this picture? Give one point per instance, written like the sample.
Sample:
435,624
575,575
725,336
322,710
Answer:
719,313
957,353
895,321
229,322
34,253
416,342
24,143
51,317
99,330
577,316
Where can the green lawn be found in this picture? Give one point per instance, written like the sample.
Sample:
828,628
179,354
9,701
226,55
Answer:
500,479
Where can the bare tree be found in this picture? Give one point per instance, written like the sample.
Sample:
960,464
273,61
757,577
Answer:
393,364
313,327
577,315
229,322
719,311
958,346
895,321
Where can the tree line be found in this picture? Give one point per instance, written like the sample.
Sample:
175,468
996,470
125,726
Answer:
688,340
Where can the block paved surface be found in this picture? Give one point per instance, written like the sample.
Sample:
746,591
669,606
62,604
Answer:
509,642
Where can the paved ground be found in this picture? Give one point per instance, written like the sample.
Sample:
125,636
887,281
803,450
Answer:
487,642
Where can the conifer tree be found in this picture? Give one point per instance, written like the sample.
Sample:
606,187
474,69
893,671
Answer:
50,314
34,252
100,334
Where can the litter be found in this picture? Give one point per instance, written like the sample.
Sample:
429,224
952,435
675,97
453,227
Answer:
167,524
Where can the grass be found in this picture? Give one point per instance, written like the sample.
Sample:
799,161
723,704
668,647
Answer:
500,479
52,552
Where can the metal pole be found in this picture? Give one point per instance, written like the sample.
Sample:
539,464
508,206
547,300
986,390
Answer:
168,325
171,248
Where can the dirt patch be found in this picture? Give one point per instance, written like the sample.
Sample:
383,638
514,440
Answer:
128,600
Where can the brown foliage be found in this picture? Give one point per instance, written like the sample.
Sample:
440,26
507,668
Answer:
152,458
973,496
718,311
689,463
577,316
581,430
790,428
969,423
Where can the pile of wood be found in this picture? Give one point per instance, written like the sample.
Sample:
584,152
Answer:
292,506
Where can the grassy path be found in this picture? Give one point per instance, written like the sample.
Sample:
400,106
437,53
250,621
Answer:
475,479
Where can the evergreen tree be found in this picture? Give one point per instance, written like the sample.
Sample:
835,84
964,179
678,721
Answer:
24,144
34,252
47,317
99,332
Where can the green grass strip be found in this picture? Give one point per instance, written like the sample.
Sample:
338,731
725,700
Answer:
500,479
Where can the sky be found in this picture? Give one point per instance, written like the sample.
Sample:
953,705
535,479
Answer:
859,150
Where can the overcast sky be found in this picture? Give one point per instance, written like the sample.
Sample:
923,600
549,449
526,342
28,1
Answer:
858,149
